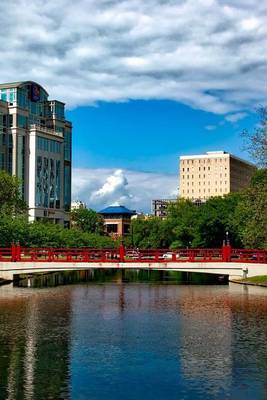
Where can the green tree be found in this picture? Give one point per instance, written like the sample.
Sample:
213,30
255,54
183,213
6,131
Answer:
149,233
256,141
11,201
216,217
251,212
13,230
87,220
183,220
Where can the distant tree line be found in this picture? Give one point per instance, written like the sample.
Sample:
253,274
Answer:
242,217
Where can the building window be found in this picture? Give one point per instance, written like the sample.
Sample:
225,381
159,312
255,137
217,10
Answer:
112,228
126,229
67,187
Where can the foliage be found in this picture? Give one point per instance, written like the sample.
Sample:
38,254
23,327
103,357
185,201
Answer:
87,220
183,218
149,233
216,217
243,215
256,141
39,234
251,212
11,202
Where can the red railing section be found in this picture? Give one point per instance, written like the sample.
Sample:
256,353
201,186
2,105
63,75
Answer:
16,253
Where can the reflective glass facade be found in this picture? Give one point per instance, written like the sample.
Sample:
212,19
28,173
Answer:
35,145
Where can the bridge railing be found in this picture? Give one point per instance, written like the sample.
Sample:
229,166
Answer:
89,255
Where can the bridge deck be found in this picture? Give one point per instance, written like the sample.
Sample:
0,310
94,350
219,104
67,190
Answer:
224,261
226,254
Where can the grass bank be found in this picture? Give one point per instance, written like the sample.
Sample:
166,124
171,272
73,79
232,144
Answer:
254,280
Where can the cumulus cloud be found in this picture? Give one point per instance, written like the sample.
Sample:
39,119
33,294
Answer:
208,54
99,188
114,190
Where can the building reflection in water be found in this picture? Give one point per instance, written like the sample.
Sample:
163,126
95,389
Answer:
206,338
34,344
223,340
117,340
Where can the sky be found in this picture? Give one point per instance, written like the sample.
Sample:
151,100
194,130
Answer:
143,81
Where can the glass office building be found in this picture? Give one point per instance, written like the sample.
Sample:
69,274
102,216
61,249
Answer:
35,145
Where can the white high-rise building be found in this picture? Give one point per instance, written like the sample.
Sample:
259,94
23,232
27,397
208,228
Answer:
35,145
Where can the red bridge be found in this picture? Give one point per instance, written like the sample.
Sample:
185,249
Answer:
16,253
237,263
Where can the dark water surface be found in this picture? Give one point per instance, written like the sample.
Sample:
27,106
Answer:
133,341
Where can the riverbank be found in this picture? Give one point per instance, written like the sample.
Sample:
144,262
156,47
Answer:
253,280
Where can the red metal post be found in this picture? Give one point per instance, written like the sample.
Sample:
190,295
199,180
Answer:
50,255
85,256
18,252
226,253
122,253
13,252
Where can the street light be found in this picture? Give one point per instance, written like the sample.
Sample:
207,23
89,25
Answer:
227,238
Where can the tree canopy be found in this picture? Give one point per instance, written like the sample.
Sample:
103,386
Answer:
256,141
87,220
242,215
251,212
11,201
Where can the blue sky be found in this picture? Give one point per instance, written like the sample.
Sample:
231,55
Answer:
143,82
150,135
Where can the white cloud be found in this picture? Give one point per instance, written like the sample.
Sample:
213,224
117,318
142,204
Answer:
211,127
99,188
235,117
209,54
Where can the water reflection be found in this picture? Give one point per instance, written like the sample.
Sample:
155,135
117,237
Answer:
34,344
130,341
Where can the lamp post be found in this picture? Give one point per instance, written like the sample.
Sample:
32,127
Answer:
227,238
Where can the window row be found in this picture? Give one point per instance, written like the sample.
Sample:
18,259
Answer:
205,191
203,160
48,145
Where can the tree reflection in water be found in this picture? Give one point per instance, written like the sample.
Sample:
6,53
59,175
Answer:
133,341
34,344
